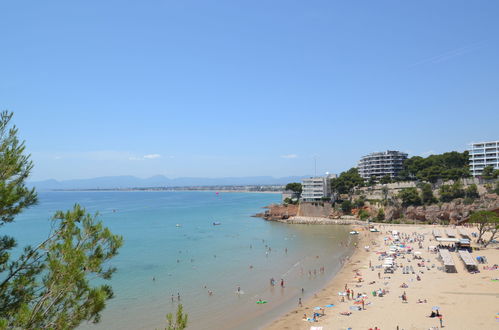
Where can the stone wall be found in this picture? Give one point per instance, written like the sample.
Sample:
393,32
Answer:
315,209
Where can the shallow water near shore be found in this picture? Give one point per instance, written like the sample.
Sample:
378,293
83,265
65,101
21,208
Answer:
197,256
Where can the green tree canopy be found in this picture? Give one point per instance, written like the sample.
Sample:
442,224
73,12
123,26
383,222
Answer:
489,173
451,192
487,221
347,181
472,191
427,196
48,286
346,207
447,166
294,186
386,179
410,197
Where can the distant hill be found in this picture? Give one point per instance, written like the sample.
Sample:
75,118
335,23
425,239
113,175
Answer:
113,182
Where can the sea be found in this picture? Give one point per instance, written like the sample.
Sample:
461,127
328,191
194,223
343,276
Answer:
172,248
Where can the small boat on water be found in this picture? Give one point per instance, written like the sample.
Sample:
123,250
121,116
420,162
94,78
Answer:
217,223
178,225
354,232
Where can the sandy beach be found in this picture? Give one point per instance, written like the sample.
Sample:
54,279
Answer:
465,300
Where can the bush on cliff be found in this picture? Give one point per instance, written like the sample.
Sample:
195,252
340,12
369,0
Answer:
346,207
410,197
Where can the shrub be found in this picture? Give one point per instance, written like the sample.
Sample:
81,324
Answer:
381,215
427,196
363,215
346,207
472,192
358,203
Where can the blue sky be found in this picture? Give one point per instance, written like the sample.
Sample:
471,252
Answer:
243,88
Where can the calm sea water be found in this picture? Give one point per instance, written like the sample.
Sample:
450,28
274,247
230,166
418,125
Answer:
189,260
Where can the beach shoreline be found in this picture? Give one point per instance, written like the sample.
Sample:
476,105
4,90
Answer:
457,294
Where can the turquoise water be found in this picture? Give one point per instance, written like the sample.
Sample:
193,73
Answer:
242,252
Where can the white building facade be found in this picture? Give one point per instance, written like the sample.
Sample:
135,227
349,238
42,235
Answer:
316,188
379,164
483,154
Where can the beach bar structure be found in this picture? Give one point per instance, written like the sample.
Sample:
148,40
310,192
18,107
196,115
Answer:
449,266
463,233
436,233
468,260
450,232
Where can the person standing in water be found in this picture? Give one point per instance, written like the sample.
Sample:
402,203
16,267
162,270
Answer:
282,283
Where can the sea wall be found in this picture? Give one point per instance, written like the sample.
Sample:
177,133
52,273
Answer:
315,209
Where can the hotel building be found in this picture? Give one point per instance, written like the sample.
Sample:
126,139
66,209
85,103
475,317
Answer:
483,154
379,164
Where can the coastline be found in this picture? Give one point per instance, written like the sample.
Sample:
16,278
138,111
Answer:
292,318
466,300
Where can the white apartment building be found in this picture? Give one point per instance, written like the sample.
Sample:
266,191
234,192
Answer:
316,188
379,164
483,154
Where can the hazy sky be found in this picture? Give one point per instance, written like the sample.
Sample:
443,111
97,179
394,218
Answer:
242,88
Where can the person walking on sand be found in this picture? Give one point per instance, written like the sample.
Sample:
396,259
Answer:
299,302
282,283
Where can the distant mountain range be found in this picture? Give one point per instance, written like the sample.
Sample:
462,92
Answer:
120,182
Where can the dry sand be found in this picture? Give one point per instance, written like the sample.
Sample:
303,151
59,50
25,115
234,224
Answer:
467,301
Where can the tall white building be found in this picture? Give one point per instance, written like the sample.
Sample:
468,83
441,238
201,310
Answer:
379,164
483,154
316,188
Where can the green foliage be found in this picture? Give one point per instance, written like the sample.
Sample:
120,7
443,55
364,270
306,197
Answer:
496,190
360,202
372,181
410,196
427,196
489,173
472,192
447,166
180,321
451,192
15,167
294,186
347,182
75,253
290,201
386,179
48,286
381,215
363,214
487,221
346,207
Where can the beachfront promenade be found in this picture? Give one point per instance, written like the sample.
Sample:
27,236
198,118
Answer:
418,286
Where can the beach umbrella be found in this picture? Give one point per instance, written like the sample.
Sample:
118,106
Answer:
435,308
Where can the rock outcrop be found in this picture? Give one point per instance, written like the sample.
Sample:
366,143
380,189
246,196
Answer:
453,212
